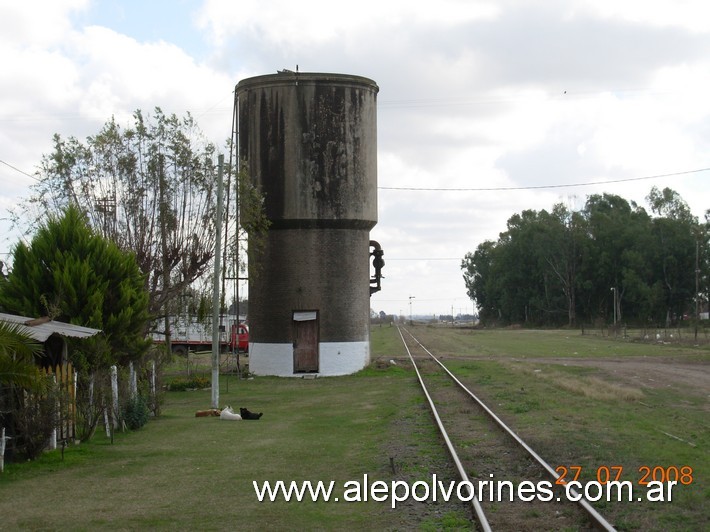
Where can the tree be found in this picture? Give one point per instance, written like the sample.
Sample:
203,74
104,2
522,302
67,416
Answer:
80,277
528,275
668,204
559,248
679,236
592,264
616,254
480,282
149,188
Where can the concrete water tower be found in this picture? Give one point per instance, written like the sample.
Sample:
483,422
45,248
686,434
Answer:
310,144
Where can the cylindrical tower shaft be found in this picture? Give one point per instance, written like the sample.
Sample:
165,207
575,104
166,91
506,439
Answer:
310,144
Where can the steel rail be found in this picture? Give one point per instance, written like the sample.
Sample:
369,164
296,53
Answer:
477,508
595,516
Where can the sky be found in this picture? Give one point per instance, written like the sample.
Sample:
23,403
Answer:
512,104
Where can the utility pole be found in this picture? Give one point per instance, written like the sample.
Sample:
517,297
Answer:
215,289
697,287
163,211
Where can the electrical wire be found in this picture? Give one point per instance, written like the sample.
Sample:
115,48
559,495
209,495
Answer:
423,258
535,187
18,170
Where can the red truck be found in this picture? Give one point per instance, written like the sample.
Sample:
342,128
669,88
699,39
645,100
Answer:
188,334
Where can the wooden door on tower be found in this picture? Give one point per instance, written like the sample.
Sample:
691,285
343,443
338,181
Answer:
305,341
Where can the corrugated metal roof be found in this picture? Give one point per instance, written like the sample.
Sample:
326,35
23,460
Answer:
42,328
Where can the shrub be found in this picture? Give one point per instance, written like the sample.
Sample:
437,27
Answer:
36,417
181,384
136,413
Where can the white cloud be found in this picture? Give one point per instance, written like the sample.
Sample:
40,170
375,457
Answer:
473,94
692,15
284,23
37,23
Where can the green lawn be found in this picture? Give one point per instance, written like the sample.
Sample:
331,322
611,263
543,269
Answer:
563,393
181,472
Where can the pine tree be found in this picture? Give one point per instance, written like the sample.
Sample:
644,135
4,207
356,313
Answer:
74,275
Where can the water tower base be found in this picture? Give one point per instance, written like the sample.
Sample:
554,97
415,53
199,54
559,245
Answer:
334,358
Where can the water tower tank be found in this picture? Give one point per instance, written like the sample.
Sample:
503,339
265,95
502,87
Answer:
310,144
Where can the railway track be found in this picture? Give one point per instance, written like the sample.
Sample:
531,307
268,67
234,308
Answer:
494,462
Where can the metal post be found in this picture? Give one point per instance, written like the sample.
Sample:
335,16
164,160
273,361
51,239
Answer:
697,287
2,450
215,289
114,395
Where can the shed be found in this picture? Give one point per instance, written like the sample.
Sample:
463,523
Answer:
50,333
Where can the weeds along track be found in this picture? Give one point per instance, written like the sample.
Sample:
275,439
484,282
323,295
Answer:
494,460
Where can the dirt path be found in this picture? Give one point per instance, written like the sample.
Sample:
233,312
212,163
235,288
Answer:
646,372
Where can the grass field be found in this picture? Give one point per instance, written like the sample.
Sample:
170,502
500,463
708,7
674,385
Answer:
598,403
578,400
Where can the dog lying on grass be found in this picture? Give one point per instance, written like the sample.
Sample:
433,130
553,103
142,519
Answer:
249,415
228,414
212,412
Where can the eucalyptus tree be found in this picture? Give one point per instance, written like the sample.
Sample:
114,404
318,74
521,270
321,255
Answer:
527,276
478,274
559,247
526,298
610,259
678,235
616,247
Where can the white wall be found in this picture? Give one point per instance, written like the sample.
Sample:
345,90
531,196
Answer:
335,358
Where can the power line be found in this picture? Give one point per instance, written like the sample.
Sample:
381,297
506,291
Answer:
18,170
405,300
467,100
423,258
534,187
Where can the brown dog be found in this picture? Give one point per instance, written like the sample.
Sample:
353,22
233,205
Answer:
212,412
